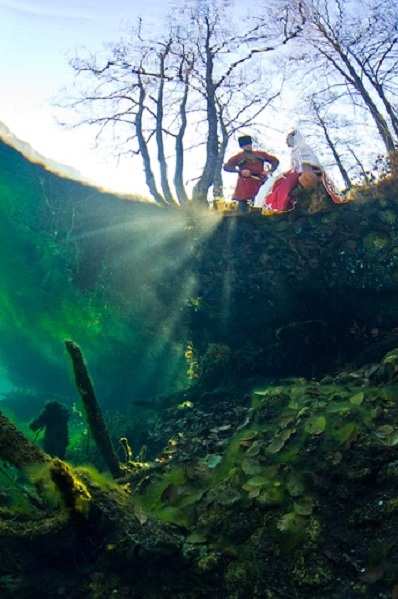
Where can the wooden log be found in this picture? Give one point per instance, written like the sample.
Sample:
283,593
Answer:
83,499
95,418
19,451
16,449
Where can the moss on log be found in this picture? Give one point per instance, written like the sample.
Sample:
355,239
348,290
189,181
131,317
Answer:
16,449
84,500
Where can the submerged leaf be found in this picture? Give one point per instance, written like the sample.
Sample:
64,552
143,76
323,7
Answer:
140,514
271,471
348,434
294,486
224,427
257,481
254,493
249,436
196,537
303,412
275,446
250,467
387,435
285,434
357,399
384,431
336,407
213,461
316,425
245,443
372,574
254,448
285,420
288,522
303,507
393,439
335,458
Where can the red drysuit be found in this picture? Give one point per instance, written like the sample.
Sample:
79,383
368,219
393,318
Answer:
253,160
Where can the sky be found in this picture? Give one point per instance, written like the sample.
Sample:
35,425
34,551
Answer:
38,38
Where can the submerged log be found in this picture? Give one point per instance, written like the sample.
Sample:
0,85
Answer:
93,411
84,501
16,449
23,454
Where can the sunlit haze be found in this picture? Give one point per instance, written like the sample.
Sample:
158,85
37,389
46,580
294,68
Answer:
38,39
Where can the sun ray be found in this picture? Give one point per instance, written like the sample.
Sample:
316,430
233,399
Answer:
151,272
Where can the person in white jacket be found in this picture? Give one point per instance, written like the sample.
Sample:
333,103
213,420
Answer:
302,156
306,170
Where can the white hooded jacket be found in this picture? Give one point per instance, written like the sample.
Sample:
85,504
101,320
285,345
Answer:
301,152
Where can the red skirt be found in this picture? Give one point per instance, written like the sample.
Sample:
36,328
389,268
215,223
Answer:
280,199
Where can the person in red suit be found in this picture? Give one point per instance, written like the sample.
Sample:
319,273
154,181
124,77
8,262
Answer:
252,172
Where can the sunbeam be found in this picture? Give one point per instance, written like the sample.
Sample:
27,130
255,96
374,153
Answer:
150,272
229,272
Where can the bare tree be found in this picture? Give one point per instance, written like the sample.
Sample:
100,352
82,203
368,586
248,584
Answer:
216,73
159,94
134,91
352,54
376,54
320,118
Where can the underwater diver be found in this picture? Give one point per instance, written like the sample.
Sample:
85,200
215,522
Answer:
249,164
54,419
306,171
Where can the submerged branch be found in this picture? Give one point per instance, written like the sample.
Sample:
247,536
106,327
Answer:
93,411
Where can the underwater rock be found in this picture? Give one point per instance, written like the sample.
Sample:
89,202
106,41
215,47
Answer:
387,216
376,242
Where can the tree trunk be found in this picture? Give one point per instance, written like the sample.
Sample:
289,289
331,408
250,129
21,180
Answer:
206,179
336,155
179,167
164,179
218,180
352,78
149,176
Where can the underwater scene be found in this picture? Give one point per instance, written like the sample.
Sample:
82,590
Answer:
196,405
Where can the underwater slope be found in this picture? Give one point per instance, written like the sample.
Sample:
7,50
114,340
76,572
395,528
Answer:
60,241
289,491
